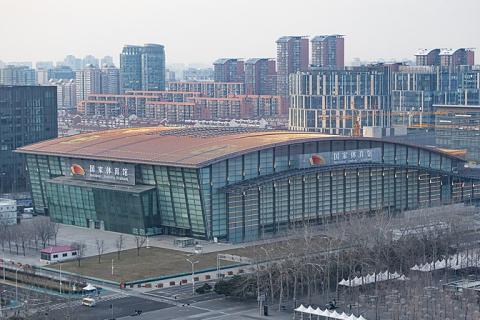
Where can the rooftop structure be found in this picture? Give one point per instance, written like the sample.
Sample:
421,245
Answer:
233,184
190,147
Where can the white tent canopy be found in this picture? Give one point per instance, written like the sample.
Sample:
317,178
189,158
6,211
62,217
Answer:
327,313
458,261
369,278
89,287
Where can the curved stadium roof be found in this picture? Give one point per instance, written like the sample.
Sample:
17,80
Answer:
185,147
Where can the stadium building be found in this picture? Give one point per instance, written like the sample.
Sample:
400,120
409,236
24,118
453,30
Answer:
233,184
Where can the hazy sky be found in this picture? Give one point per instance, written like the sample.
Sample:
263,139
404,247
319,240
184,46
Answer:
203,30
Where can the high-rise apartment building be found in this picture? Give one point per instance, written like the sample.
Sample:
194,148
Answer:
456,127
29,115
107,60
88,81
292,56
457,57
45,65
445,57
110,79
142,68
66,94
228,70
427,57
260,76
42,77
18,76
73,62
328,51
89,59
61,72
415,89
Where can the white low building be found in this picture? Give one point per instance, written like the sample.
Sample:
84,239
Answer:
8,211
58,254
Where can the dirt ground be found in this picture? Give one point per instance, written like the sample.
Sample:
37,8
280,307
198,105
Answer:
155,262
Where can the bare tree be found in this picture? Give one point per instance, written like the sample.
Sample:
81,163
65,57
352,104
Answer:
44,229
80,247
100,244
3,233
140,242
24,235
55,227
120,245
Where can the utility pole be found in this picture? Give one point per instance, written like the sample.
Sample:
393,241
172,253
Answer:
112,267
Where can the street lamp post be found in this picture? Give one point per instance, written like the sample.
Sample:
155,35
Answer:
193,274
3,265
60,278
1,307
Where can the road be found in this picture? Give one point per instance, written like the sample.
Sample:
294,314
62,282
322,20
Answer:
159,304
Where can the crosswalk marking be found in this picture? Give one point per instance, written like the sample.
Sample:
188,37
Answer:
76,302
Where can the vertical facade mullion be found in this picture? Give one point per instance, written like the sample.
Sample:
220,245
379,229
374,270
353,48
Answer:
171,196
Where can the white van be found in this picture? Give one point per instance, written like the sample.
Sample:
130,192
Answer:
89,302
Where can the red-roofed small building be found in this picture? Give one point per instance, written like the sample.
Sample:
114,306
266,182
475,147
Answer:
58,254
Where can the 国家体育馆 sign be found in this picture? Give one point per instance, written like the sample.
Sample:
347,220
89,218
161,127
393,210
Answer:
103,171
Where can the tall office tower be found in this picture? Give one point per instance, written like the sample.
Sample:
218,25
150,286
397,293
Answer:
45,65
340,101
73,62
110,79
292,56
88,81
29,115
131,68
18,76
328,51
229,70
61,72
260,76
153,67
66,94
2,64
107,60
89,59
142,68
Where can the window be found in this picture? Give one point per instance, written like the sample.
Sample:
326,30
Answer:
64,254
74,253
55,256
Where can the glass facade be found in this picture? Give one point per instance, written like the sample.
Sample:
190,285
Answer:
256,194
458,127
28,114
335,101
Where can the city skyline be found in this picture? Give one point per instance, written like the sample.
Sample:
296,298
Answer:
385,28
